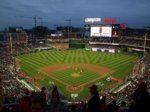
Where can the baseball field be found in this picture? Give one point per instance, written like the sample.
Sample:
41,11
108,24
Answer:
73,71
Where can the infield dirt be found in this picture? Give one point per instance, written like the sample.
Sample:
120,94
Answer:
95,68
102,71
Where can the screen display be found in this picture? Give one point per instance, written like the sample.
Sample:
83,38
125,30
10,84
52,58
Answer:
106,31
95,31
103,31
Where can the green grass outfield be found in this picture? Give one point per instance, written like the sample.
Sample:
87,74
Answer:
122,64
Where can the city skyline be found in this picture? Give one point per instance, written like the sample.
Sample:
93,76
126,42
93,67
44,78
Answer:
52,13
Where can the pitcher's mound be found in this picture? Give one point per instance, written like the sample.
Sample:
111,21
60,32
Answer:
75,75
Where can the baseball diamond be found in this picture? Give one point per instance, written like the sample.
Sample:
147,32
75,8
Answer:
73,71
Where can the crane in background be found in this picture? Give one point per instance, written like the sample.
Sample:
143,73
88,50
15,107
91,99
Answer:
70,23
35,18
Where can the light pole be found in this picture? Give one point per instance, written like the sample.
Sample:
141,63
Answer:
10,43
69,27
145,42
35,20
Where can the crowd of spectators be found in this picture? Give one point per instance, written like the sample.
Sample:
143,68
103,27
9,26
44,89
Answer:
11,88
140,79
129,42
21,48
105,40
24,100
45,100
125,41
134,32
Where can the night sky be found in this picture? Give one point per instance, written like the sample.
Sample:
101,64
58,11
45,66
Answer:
134,13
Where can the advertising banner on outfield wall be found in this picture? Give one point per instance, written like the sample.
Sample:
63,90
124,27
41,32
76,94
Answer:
103,50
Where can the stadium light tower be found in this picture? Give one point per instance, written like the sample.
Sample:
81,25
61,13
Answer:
10,43
145,42
69,21
35,19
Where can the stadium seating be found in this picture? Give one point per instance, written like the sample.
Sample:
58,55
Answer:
13,90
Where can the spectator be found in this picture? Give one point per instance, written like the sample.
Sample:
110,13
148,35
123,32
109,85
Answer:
123,107
25,102
82,106
48,96
141,98
113,107
94,102
38,105
55,99
103,106
42,93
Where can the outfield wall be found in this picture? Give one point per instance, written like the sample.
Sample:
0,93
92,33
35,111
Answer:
61,45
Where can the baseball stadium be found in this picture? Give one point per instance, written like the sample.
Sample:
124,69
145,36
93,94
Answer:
111,58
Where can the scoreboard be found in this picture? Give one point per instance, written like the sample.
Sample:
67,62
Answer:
103,27
101,31
104,30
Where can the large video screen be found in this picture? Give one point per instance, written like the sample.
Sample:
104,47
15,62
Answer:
95,31
106,31
103,31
